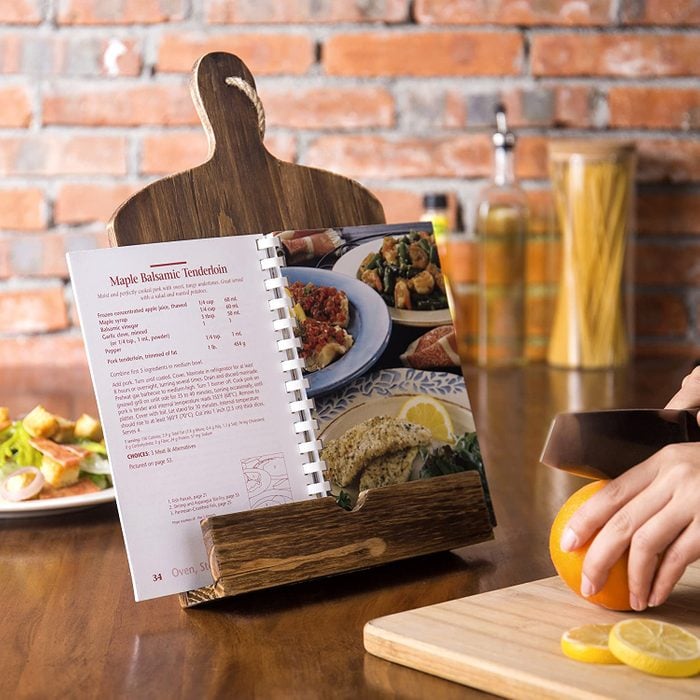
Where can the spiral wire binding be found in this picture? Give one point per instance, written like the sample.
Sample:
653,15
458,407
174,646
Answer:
293,365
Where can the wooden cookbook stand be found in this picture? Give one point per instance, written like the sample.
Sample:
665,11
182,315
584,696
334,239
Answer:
242,188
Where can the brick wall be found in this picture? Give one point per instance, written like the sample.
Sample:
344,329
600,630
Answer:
397,94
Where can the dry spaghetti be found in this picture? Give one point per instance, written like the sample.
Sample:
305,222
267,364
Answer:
593,189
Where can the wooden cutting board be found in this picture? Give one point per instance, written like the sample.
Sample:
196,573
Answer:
507,642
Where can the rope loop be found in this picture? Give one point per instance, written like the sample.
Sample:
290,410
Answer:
249,91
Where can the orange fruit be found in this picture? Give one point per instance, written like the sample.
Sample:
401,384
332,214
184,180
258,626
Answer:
615,594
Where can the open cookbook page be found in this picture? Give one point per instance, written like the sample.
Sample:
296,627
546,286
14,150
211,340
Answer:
191,392
391,404
191,387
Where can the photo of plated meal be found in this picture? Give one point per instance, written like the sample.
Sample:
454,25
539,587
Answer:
394,426
342,328
323,315
405,272
49,463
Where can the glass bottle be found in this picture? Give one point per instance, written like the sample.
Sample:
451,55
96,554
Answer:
501,227
435,211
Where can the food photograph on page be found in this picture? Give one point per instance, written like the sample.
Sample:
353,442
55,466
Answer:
391,403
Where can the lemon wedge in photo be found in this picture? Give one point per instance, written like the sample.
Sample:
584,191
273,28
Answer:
659,648
431,414
589,643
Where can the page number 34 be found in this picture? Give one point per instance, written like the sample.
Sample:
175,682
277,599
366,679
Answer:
157,577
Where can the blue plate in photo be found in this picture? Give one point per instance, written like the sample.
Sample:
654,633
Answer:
370,328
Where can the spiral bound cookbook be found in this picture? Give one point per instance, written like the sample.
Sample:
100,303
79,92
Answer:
228,382
200,390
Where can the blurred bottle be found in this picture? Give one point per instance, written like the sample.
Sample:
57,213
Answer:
435,211
501,227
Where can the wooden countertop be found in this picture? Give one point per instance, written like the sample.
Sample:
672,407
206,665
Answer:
72,629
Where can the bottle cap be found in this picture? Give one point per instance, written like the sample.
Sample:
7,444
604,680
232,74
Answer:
502,137
435,200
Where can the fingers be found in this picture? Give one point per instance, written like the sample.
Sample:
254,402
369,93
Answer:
684,551
598,510
654,537
688,396
632,523
654,511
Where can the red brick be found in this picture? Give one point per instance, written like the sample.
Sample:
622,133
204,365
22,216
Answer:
557,106
51,154
531,157
33,310
675,265
655,108
328,108
616,54
80,203
142,105
21,11
57,350
45,255
171,152
544,106
71,55
670,160
399,206
264,54
126,12
22,209
660,314
379,157
11,46
175,151
664,12
402,206
527,12
668,212
15,106
282,146
305,11
423,54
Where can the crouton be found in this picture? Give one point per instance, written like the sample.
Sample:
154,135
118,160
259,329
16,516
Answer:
40,423
65,431
88,428
5,421
57,474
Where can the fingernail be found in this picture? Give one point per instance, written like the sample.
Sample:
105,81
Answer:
652,602
587,588
569,540
634,602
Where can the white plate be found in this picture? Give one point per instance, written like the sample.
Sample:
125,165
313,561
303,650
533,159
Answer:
54,506
370,327
384,392
349,263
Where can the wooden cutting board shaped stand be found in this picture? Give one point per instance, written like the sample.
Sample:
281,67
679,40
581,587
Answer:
240,189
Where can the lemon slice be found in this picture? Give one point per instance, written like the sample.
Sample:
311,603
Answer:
589,643
659,648
431,414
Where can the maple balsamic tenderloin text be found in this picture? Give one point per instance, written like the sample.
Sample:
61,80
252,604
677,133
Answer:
201,271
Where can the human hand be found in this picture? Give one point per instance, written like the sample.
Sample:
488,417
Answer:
654,509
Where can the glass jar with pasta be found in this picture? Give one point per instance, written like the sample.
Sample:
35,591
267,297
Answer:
593,188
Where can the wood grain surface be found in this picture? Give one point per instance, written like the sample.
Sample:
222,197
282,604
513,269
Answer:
507,642
241,188
71,628
299,541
